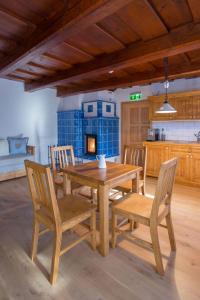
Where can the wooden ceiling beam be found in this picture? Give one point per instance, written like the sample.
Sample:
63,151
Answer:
136,79
83,52
110,36
9,42
156,14
56,59
79,17
194,6
16,17
182,39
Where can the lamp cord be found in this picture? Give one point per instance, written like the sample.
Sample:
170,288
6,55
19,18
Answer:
166,71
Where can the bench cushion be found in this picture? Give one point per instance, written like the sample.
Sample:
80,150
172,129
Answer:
13,162
4,149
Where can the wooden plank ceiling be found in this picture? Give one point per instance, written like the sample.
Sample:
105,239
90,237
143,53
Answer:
88,45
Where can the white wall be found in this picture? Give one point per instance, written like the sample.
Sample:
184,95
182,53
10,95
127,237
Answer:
179,130
74,102
33,114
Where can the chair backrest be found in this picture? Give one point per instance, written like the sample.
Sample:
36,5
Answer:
164,187
136,154
42,190
61,157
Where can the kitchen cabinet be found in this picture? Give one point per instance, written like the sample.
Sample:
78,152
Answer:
196,107
156,155
188,169
183,154
187,105
195,166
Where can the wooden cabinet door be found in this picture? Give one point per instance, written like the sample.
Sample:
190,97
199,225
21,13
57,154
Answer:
195,166
196,107
156,155
183,167
134,122
184,107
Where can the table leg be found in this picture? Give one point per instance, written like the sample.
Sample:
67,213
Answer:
136,186
104,219
67,185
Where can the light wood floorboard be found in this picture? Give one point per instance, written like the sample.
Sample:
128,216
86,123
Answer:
128,271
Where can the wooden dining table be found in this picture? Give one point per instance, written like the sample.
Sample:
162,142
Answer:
103,180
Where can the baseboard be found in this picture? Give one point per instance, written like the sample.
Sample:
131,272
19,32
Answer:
12,175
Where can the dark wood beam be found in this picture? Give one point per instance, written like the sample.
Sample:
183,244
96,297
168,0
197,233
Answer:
156,14
110,36
79,17
56,59
79,50
16,17
136,79
195,9
180,40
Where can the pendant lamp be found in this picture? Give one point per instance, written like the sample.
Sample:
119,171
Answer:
166,107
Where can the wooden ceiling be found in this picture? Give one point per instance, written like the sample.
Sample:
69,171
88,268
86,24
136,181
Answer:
72,45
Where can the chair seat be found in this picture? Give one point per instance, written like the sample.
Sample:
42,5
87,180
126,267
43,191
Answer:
126,187
135,206
73,210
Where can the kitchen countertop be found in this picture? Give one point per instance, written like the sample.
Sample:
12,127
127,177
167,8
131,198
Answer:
173,142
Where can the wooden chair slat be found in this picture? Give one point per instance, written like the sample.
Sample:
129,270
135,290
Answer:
136,155
65,157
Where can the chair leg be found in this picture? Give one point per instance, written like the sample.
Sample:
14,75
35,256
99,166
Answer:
93,230
92,195
133,225
143,190
156,249
114,225
56,257
171,232
36,228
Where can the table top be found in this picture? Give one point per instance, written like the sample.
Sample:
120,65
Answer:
102,176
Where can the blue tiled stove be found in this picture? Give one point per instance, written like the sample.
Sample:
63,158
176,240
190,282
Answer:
70,131
97,118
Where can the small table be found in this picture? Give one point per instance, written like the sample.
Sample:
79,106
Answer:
103,180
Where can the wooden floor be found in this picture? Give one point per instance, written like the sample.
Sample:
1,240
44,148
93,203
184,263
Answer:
127,273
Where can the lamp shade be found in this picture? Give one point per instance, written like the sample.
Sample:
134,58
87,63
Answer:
166,108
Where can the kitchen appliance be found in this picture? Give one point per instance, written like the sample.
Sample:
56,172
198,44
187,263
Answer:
153,134
198,136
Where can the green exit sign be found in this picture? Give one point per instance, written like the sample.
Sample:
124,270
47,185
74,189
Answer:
135,96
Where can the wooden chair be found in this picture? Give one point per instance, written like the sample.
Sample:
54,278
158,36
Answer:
135,155
61,157
149,212
56,216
